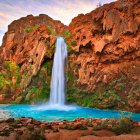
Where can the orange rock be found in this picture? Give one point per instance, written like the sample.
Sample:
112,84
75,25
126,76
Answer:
108,43
27,42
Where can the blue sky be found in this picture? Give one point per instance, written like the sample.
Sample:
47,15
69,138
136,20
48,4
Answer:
63,10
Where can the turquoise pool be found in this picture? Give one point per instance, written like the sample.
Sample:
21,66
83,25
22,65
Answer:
47,113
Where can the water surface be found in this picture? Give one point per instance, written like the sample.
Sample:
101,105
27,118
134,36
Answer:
58,113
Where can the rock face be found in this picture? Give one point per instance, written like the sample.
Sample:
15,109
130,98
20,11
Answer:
107,39
106,50
104,56
28,42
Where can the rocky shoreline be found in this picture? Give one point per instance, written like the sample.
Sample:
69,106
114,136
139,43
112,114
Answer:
79,129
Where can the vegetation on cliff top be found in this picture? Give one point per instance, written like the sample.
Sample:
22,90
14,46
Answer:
30,29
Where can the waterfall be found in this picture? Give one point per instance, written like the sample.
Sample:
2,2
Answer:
57,93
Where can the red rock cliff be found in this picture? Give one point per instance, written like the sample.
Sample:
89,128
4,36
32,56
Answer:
106,53
28,42
106,40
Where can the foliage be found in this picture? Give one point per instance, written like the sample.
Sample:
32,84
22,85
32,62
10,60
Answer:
11,70
73,42
36,94
39,88
120,126
123,126
70,44
66,33
69,127
69,48
3,81
67,76
89,123
50,30
48,67
18,100
102,99
30,29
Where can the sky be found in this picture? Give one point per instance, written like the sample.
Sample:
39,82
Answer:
63,10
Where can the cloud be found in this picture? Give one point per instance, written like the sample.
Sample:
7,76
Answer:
63,10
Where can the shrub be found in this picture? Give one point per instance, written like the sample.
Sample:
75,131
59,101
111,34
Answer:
121,126
66,33
30,29
67,76
105,98
13,70
124,126
37,94
19,100
69,127
69,48
73,42
50,30
3,82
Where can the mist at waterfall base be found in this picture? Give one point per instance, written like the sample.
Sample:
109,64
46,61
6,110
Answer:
57,109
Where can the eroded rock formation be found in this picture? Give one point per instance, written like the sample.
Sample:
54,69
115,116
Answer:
106,52
28,42
107,39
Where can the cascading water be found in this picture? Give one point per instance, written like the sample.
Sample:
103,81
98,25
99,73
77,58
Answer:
58,82
57,94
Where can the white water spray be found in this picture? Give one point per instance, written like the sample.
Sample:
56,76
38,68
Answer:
57,93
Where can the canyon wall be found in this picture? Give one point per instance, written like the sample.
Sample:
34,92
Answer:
28,42
104,57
